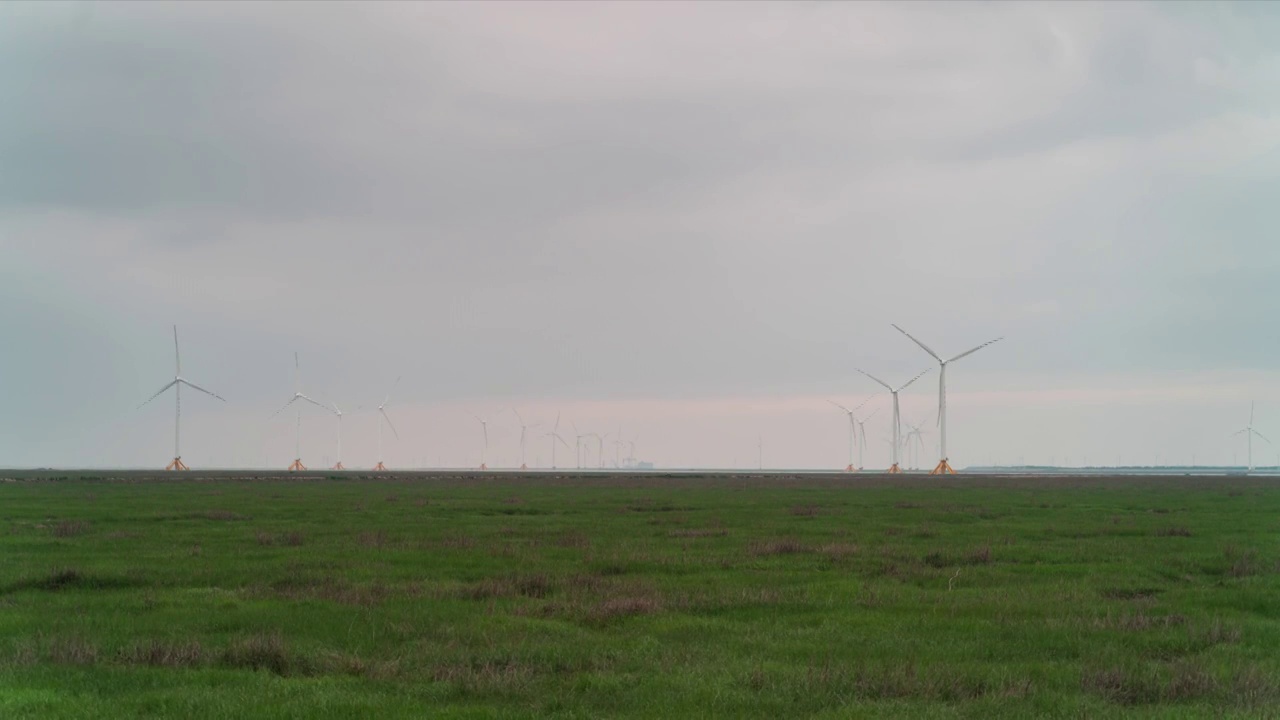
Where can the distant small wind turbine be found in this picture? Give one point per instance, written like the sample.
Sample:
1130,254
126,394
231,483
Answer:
578,442
853,429
382,415
1249,432
943,467
297,395
176,383
862,439
600,447
897,420
484,453
554,435
524,429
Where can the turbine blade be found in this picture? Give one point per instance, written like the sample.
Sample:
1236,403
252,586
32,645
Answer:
313,402
1239,432
1264,437
833,402
922,345
873,377
159,392
517,412
177,358
1251,404
387,399
970,352
285,407
562,442
194,386
390,424
922,374
557,426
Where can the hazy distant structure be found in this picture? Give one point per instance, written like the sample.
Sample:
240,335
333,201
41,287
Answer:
338,412
853,431
862,438
600,448
760,450
297,436
1249,432
524,429
578,435
554,436
896,429
382,415
484,451
944,467
176,383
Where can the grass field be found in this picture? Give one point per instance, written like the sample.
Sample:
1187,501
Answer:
640,596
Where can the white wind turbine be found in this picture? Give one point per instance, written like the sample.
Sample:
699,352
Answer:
176,383
484,453
897,421
600,447
578,442
297,395
554,435
944,467
382,415
524,429
853,429
1249,432
914,451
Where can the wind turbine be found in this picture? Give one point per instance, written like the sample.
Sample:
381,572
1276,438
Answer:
600,448
897,422
382,415
578,435
484,454
297,437
914,451
1249,432
853,429
523,431
617,448
176,383
554,435
944,467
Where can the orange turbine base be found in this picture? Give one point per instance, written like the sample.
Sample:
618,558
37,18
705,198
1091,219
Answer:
895,470
379,466
944,468
339,466
297,466
483,466
177,464
850,468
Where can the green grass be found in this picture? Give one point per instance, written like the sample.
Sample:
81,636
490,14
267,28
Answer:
675,597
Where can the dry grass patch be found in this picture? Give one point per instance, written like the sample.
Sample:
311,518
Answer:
838,551
219,515
264,651
575,539
785,546
486,677
701,533
533,586
804,511
157,653
70,528
1176,531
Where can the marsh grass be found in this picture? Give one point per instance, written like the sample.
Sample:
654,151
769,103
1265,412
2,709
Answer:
657,597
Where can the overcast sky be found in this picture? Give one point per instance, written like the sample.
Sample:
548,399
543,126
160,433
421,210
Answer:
692,221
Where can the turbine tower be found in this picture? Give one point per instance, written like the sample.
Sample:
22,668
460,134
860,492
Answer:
862,438
524,429
944,467
484,452
338,411
578,443
1249,432
554,435
853,429
176,383
297,437
382,415
897,421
